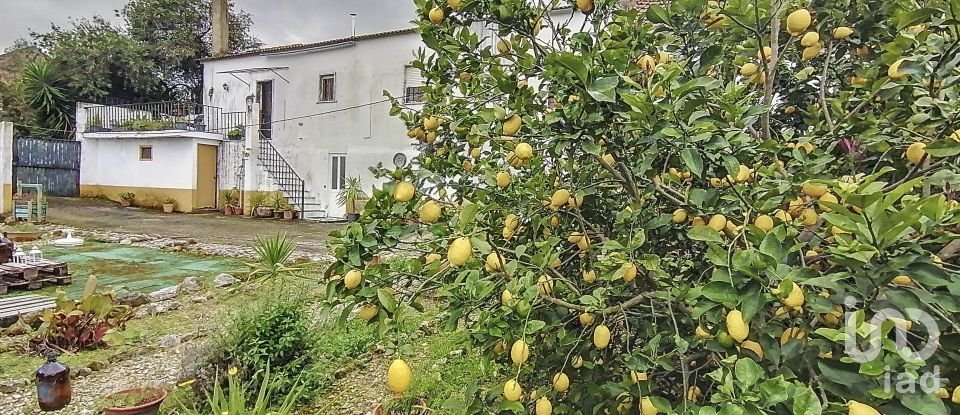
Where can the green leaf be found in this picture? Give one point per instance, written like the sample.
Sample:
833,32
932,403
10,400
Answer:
604,89
720,292
692,159
387,300
914,17
657,14
710,56
924,403
534,326
467,213
805,402
704,233
113,338
747,372
943,148
574,64
774,390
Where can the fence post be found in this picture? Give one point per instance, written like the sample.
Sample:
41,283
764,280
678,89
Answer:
6,166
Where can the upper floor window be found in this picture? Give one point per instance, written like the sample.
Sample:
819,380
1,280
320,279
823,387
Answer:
412,85
327,88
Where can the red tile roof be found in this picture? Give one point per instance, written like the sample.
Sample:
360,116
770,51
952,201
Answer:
301,46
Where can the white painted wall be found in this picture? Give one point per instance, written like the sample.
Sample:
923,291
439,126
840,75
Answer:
112,161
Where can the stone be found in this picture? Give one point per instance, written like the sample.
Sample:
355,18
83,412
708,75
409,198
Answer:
97,365
126,241
133,299
190,284
81,372
191,241
202,298
224,280
10,220
154,309
18,328
169,341
11,386
165,293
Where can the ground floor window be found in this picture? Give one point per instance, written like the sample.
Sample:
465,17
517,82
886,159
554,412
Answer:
146,153
338,171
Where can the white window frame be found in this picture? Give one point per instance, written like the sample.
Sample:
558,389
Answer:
338,163
323,76
406,86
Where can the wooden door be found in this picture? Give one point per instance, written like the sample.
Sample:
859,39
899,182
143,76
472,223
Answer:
206,176
265,99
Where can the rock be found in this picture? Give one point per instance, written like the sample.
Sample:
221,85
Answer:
190,284
11,386
157,308
133,299
202,298
18,328
173,305
165,293
224,280
97,365
176,249
126,241
191,241
31,318
170,340
10,220
81,372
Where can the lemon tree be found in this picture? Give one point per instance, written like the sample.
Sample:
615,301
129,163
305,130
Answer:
734,207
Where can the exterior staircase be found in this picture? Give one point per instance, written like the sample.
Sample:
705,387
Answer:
289,182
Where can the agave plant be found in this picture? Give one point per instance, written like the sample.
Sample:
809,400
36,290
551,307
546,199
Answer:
273,253
237,400
43,91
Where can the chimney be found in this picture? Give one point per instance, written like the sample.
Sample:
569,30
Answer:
353,24
221,28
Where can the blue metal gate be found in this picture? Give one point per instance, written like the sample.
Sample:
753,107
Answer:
54,163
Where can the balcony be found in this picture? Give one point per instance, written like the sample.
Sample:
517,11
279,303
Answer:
161,116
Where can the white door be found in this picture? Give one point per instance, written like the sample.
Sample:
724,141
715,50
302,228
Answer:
338,179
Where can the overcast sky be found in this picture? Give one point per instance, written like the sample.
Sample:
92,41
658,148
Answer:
276,22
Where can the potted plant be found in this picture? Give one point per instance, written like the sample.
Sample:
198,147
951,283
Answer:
137,401
235,133
259,205
179,123
350,198
126,199
95,125
229,199
168,204
289,213
278,201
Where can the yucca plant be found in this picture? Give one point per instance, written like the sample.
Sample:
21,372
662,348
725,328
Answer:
43,91
352,192
236,400
273,253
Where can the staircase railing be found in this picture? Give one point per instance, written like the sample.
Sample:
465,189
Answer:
283,174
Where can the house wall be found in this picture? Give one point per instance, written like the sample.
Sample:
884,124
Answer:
367,134
110,164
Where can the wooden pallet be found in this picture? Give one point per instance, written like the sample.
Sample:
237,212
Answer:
11,308
32,276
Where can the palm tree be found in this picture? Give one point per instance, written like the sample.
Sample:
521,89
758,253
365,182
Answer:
43,90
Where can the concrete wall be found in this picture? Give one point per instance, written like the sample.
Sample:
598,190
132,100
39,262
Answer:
367,134
6,167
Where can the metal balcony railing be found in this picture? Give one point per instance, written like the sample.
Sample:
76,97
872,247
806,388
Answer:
167,115
283,174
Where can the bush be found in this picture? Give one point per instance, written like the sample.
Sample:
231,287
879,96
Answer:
94,321
276,334
702,207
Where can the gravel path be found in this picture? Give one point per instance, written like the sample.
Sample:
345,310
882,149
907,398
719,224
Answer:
160,368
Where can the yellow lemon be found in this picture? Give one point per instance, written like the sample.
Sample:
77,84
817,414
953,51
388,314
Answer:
647,407
717,222
646,63
475,152
753,347
523,151
403,192
842,32
544,407
589,276
512,390
765,53
795,298
813,190
586,319
436,15
398,376
698,221
431,123
798,22
679,216
430,212
736,327
576,362
894,71
637,377
915,152
512,124
955,398
743,173
506,298
545,285
607,159
503,179
790,109
495,261
749,69
503,46
430,258
519,352
454,4
702,333
459,251
511,221
352,279
809,39
857,408
809,217
902,280
629,271
585,6
792,333
559,198
368,311
782,215
764,222
811,52
561,382
601,337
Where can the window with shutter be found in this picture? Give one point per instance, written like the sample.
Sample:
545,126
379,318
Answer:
327,88
412,85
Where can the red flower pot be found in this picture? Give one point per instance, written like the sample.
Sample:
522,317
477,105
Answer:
144,408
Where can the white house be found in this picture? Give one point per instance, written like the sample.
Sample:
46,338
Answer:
321,109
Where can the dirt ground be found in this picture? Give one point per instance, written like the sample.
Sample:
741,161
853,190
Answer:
212,228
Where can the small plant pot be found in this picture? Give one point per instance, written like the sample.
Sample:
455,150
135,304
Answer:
353,217
150,407
277,214
263,212
179,126
289,215
228,210
237,210
168,207
126,202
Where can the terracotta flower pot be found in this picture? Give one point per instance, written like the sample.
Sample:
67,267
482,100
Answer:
146,408
168,208
126,202
228,210
289,214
